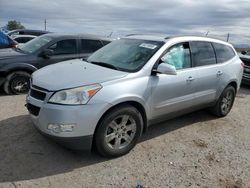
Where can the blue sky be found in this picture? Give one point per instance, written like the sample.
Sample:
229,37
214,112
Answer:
130,16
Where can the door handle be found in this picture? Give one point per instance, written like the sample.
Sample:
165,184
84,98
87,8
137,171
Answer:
190,79
219,73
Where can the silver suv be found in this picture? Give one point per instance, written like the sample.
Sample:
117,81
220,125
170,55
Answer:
108,101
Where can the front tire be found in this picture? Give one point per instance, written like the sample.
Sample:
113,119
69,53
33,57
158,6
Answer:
118,131
17,83
224,103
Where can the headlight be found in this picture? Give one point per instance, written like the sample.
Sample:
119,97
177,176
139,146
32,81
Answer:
75,96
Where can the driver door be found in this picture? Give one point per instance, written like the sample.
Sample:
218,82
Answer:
61,51
171,93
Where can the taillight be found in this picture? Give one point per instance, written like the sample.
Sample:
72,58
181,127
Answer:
13,46
242,64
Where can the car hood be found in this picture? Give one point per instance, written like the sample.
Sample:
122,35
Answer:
73,73
8,53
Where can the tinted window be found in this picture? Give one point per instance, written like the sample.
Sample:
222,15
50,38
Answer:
89,46
223,52
202,53
23,39
64,47
178,56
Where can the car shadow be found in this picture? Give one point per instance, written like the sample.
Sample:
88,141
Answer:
164,127
244,89
25,154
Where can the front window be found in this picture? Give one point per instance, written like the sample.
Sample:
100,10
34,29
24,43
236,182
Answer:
63,47
128,55
178,56
34,44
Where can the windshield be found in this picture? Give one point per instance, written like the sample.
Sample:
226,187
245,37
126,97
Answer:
128,55
35,44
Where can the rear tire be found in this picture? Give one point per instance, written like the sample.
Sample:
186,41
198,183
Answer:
119,131
224,103
17,83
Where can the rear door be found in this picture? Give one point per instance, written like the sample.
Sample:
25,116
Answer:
62,50
209,73
171,93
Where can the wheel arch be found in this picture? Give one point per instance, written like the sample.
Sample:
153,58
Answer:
135,104
19,67
234,85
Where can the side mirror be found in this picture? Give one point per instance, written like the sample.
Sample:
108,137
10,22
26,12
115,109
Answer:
243,52
47,53
164,68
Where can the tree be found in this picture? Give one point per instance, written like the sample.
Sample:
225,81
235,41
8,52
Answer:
13,24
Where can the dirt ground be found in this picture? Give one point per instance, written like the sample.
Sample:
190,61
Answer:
195,150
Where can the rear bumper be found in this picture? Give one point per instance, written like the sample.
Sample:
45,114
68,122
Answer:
2,80
246,79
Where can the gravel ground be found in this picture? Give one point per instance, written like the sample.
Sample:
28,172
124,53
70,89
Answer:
195,150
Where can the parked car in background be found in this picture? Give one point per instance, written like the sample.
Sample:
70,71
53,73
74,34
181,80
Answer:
6,41
27,32
17,64
108,100
245,57
21,39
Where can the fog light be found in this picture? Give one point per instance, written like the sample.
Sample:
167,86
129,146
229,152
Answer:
57,128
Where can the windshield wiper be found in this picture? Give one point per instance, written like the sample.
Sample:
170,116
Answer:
104,65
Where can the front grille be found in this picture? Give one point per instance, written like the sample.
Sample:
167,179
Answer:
34,110
37,94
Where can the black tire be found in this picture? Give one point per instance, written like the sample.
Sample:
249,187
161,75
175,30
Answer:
17,83
221,109
104,129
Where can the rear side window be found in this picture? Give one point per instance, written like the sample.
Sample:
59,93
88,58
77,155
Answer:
202,53
23,39
89,46
223,52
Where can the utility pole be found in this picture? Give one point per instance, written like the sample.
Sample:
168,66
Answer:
45,24
227,37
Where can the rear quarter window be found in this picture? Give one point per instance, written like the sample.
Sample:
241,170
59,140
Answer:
223,52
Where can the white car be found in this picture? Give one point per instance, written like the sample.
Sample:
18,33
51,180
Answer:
21,39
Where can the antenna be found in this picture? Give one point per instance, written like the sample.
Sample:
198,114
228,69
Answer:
110,34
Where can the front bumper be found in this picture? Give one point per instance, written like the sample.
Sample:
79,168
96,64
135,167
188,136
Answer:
83,117
74,143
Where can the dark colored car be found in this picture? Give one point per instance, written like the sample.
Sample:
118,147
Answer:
245,58
17,64
27,32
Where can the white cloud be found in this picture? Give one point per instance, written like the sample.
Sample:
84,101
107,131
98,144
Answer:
121,17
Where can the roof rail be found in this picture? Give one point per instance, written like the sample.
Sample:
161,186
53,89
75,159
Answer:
132,34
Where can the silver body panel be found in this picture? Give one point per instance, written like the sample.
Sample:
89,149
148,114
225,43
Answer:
159,94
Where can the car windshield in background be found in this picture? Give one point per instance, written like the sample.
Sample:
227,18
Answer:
34,44
128,55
